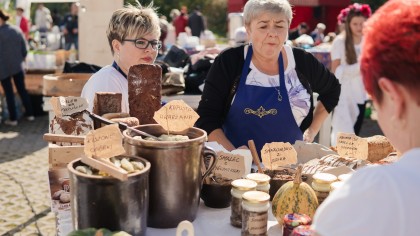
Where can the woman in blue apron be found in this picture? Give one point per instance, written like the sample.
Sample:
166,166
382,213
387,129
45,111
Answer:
263,91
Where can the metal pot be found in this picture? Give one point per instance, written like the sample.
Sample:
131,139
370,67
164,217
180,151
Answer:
175,177
106,202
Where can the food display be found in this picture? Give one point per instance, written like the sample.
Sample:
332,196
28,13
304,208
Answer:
293,220
124,163
145,85
76,124
294,197
167,137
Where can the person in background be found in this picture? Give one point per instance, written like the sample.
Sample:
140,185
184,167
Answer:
264,91
196,22
181,21
43,19
164,28
345,52
71,28
318,34
384,200
22,22
297,32
133,35
12,53
56,17
241,37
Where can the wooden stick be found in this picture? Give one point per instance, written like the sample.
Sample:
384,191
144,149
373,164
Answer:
254,153
64,138
105,166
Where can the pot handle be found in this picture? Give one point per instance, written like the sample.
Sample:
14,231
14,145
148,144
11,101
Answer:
210,159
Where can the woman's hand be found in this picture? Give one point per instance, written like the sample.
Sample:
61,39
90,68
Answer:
309,136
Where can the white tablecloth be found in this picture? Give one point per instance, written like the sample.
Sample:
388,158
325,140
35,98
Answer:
216,222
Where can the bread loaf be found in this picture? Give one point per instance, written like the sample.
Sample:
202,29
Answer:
130,121
144,91
105,102
379,147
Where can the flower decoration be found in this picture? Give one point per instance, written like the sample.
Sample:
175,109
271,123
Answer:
355,8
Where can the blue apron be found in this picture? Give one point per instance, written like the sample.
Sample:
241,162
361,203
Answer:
261,113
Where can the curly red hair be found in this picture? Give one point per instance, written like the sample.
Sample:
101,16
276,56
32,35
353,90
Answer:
392,47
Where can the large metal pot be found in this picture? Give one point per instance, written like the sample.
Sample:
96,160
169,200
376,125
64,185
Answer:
175,177
106,202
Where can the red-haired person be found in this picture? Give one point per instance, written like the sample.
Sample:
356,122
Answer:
345,52
384,200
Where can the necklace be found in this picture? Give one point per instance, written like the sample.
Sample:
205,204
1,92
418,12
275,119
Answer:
279,97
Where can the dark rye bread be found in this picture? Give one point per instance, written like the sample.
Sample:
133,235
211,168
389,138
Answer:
144,91
106,102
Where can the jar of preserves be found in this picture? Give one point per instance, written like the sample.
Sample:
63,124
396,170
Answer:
294,220
262,180
255,205
239,187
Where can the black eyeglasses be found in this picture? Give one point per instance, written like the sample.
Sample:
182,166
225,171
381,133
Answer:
143,43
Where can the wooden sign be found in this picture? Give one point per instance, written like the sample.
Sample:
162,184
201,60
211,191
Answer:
278,154
230,166
352,146
176,116
64,106
104,142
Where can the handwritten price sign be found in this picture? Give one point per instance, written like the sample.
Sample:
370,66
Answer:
278,154
352,146
64,106
104,142
230,166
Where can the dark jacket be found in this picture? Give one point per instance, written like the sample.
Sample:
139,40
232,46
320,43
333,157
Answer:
12,50
224,75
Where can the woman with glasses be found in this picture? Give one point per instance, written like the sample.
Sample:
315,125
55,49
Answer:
133,35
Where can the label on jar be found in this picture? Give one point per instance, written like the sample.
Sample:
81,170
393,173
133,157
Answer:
255,223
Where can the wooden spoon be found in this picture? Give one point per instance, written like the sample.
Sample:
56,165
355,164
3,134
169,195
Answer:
255,156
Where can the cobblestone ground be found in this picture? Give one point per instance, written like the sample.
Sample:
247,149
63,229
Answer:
24,189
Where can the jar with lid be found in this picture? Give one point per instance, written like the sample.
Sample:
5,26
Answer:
262,180
255,205
294,220
239,187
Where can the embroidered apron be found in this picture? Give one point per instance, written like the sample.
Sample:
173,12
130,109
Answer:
261,113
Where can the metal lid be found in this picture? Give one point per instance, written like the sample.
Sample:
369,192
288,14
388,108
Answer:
256,197
259,178
244,184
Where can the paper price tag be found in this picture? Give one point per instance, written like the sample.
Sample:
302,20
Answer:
176,116
278,154
352,146
64,106
230,166
104,142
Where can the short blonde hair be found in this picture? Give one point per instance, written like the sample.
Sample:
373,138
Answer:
135,21
255,8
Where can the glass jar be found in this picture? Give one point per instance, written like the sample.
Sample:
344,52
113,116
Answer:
239,187
293,220
255,205
262,180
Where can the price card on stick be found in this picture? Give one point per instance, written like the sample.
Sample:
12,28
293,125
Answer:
104,142
278,154
352,146
64,106
176,116
230,166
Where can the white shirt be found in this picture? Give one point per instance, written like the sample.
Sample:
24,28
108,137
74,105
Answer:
299,97
107,79
377,200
